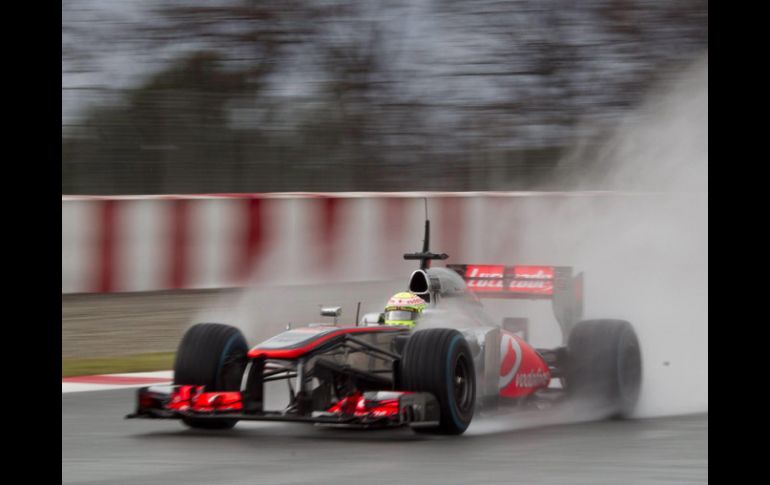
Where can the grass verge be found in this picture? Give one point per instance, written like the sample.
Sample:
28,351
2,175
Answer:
116,365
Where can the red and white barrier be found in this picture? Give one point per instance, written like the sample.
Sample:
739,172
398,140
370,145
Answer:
143,243
115,381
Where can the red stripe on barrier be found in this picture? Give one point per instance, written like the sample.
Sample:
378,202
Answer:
329,221
106,247
177,275
253,239
108,379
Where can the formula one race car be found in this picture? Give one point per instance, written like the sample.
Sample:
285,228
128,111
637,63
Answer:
432,378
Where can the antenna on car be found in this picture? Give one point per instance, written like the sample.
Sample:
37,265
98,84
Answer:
358,312
425,257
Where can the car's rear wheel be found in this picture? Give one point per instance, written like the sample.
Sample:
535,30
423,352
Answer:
439,361
211,355
604,366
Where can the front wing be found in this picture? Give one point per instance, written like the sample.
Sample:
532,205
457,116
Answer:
368,409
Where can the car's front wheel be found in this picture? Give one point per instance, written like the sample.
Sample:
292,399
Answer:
439,361
211,355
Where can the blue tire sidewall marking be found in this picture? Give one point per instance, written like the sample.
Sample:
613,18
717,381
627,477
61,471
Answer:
222,356
450,383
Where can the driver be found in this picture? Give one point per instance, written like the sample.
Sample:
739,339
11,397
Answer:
404,309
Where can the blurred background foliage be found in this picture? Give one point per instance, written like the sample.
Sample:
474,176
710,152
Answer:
337,95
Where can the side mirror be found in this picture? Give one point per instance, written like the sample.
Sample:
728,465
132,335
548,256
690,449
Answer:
332,311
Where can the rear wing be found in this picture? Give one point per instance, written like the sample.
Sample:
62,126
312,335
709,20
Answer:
555,283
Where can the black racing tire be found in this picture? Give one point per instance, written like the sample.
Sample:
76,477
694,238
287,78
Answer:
604,366
439,361
211,355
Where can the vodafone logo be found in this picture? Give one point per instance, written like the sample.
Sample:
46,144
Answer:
510,364
532,379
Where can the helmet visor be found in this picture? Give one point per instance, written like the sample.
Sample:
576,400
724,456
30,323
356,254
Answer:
401,316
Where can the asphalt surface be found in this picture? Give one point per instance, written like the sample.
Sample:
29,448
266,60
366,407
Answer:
100,447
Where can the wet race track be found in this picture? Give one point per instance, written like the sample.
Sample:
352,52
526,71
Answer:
100,447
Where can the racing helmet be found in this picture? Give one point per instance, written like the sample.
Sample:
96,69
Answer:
403,309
